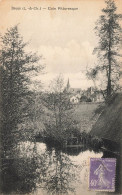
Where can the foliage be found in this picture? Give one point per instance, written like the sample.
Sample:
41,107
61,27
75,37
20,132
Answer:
108,31
17,66
59,121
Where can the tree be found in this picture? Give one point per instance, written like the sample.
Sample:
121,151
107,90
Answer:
92,75
108,31
34,122
59,121
16,68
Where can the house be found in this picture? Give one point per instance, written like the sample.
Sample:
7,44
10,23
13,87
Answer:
97,97
74,100
77,95
74,93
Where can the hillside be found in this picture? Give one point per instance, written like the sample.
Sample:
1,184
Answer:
84,114
109,124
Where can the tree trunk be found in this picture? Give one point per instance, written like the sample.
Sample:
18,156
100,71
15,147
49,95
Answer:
109,80
109,62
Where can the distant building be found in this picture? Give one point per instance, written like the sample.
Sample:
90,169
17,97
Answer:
77,95
76,90
97,97
72,90
74,100
67,88
93,94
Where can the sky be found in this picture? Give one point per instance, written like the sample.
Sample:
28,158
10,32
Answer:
65,39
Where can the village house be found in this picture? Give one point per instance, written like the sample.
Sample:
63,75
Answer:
74,100
78,95
97,97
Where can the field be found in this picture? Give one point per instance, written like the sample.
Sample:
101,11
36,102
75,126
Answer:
84,113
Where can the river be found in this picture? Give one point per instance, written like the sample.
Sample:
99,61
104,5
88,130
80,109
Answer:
39,170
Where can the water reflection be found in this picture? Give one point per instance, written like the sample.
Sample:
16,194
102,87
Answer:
35,168
18,176
60,175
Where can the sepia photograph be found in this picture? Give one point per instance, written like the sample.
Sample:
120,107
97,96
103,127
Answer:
60,97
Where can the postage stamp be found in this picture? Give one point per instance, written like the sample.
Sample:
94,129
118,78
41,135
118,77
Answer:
102,174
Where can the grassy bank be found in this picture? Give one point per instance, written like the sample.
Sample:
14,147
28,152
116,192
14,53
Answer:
108,126
84,113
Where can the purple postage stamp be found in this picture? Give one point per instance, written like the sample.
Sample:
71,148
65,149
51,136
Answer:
102,174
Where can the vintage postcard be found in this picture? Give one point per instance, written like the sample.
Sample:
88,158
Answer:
60,97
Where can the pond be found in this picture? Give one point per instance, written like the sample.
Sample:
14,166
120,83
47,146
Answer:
40,170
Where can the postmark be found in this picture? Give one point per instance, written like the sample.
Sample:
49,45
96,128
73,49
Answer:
102,174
